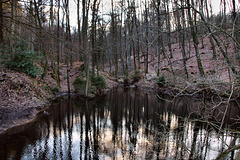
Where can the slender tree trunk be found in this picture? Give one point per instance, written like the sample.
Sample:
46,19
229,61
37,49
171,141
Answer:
68,41
229,62
210,37
127,44
159,47
120,42
58,44
146,39
169,28
138,46
182,36
79,31
40,36
132,10
93,34
1,22
195,39
12,37
114,36
236,26
51,34
85,9
159,34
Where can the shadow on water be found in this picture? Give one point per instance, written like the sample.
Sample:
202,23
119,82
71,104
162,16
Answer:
130,124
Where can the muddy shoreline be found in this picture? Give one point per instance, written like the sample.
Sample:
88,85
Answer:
14,116
14,122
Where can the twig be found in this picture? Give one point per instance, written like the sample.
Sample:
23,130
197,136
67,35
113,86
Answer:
228,101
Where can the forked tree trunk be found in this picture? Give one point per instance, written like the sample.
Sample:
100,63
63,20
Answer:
229,62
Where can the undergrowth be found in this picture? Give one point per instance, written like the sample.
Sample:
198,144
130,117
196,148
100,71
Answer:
21,59
97,84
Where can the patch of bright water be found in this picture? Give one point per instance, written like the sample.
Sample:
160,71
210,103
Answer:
128,124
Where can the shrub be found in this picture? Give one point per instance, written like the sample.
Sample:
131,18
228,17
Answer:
22,59
136,76
55,89
99,82
79,85
161,81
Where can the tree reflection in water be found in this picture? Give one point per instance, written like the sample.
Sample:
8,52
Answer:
128,124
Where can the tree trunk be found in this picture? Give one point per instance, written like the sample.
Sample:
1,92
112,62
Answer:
58,45
93,34
85,9
146,39
1,22
230,64
159,34
169,28
79,31
210,37
195,39
40,37
120,42
68,41
114,32
182,36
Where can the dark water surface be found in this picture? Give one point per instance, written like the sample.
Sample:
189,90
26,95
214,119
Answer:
128,124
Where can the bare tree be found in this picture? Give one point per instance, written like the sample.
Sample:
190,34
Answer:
195,37
85,11
1,22
146,38
181,30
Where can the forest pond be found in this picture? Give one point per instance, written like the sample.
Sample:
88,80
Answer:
125,124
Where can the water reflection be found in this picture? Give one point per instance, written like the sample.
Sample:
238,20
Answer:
122,125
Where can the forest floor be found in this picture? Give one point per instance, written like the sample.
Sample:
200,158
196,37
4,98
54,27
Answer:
23,97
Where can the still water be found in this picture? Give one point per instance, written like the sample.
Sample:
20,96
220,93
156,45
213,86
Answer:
124,124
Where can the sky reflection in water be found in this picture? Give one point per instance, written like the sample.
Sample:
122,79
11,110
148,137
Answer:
121,125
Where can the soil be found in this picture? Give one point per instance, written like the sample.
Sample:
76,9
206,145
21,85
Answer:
22,98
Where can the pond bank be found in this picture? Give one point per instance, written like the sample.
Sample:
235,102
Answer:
23,98
132,121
